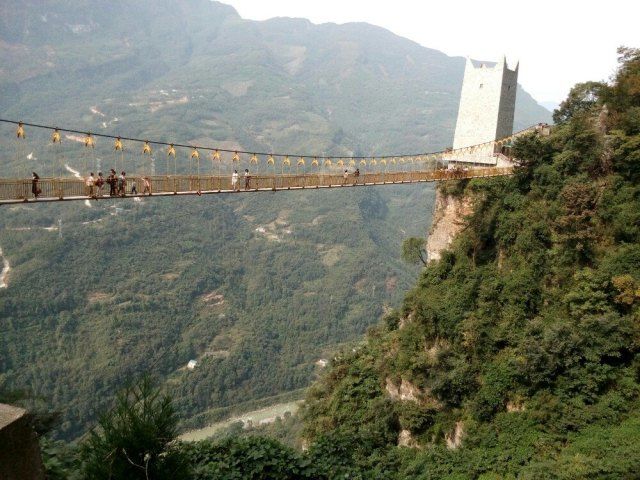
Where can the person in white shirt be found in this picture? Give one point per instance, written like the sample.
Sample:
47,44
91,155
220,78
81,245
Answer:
234,180
90,182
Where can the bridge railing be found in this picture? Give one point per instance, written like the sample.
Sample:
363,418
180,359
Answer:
64,188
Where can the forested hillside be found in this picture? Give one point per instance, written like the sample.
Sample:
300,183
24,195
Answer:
517,355
256,291
257,288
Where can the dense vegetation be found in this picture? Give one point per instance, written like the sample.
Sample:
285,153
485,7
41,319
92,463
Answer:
518,353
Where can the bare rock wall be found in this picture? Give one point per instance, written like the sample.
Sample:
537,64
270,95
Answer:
448,221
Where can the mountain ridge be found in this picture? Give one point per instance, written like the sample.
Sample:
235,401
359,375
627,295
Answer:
344,64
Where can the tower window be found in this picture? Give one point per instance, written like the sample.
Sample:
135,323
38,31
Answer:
481,85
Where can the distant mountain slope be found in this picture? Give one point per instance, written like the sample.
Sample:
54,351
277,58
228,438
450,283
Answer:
269,84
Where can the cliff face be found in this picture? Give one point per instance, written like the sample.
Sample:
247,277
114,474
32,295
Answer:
448,221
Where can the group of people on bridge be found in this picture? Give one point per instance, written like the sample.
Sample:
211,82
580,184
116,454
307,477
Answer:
234,180
117,185
94,186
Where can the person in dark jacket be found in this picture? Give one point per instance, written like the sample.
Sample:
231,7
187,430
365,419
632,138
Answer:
35,189
112,180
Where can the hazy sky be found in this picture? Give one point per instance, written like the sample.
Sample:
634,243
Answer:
558,42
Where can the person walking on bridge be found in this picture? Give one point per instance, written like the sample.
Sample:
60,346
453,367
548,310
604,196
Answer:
247,179
112,181
345,177
234,180
356,175
35,178
99,184
90,182
147,185
122,184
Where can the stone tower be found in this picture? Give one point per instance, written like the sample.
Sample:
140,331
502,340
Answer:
487,103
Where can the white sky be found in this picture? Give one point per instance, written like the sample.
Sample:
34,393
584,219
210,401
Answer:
558,42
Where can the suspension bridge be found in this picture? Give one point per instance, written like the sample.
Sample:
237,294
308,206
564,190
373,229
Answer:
211,170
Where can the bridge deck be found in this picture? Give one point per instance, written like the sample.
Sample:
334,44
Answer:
70,189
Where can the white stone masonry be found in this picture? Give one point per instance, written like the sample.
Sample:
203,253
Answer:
487,103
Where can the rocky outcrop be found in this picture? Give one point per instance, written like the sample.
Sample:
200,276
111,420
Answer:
515,406
405,391
405,320
448,221
454,439
4,271
408,392
435,348
405,439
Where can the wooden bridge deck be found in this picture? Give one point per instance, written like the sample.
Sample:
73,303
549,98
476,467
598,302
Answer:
69,189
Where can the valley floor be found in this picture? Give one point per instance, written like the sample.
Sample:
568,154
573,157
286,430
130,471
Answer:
257,417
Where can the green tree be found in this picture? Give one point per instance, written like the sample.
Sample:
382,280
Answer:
256,458
582,98
575,226
134,440
624,94
414,251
